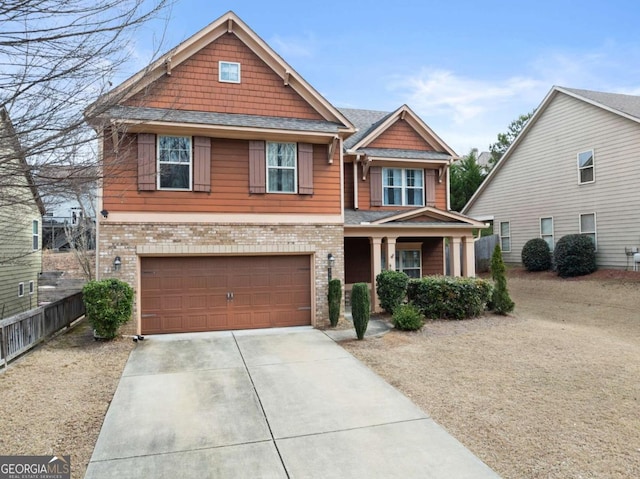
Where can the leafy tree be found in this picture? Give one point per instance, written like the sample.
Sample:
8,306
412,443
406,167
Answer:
466,176
505,139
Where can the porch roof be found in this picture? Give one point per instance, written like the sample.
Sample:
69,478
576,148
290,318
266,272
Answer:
408,217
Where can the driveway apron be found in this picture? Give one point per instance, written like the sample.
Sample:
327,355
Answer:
278,403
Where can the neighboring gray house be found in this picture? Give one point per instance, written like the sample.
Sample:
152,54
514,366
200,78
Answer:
20,226
574,168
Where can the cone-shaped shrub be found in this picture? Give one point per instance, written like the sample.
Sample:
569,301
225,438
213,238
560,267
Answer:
536,255
501,302
392,289
335,297
360,308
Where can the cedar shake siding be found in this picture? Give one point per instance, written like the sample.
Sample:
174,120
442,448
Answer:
402,136
228,187
193,85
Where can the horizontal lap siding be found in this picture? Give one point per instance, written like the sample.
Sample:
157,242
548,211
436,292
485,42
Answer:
402,136
540,179
193,85
229,186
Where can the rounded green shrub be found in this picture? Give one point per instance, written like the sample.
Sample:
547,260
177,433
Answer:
444,297
335,298
108,305
360,308
501,302
392,289
408,317
574,255
536,255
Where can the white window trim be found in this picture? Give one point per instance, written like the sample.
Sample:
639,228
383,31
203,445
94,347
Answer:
31,287
593,167
220,79
508,236
20,290
35,236
160,188
595,228
553,237
294,168
403,188
409,247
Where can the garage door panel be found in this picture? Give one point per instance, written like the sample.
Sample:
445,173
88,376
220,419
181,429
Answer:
190,293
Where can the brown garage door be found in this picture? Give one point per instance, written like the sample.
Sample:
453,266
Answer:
181,294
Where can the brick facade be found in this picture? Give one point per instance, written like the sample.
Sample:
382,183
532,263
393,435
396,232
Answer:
132,240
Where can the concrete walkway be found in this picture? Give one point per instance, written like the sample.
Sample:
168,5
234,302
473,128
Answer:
286,403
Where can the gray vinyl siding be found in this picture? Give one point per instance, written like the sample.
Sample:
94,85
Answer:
19,263
540,179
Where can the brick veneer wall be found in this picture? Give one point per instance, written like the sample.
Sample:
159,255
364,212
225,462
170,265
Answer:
128,240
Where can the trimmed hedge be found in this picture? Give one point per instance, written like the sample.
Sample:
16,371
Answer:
407,317
392,289
360,308
449,298
334,297
575,255
536,255
108,305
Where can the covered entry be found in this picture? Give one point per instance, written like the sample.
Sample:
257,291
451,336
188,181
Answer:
212,293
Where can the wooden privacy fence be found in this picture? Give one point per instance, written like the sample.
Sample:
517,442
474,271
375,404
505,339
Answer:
484,250
23,331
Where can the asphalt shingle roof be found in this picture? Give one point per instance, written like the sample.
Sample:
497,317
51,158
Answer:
405,154
629,104
221,119
364,120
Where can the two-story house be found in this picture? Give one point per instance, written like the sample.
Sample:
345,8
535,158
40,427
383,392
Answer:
572,170
21,211
232,189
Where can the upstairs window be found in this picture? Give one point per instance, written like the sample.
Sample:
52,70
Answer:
35,232
586,167
588,227
229,72
31,287
281,168
20,290
402,187
174,162
546,231
505,236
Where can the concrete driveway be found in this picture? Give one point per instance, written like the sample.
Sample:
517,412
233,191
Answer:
286,403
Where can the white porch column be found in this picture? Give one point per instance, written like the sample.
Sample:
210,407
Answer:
376,268
391,253
468,256
454,255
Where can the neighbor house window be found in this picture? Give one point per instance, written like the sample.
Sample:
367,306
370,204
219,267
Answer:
35,231
281,168
31,287
505,236
229,72
546,231
174,162
588,227
409,262
20,290
403,187
586,165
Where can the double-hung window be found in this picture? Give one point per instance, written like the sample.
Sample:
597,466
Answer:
35,232
588,227
409,262
546,231
586,167
174,162
505,236
281,168
402,187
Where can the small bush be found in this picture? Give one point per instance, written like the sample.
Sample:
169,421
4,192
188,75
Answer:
536,255
408,317
392,289
360,308
449,298
108,305
501,302
335,298
574,255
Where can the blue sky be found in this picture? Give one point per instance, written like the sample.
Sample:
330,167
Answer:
466,67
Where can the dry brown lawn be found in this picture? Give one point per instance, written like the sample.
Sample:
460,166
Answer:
552,391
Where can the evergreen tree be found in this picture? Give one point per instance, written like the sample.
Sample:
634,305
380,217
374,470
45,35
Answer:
501,302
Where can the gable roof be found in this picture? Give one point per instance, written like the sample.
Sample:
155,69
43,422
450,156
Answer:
371,124
227,23
9,141
627,106
394,217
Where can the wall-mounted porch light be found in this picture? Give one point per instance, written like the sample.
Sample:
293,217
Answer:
331,259
117,262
